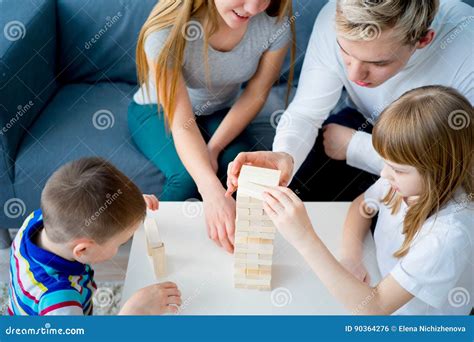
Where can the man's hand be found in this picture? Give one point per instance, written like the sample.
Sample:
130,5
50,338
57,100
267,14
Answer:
272,160
336,140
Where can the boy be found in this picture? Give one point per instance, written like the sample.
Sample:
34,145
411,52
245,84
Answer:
88,209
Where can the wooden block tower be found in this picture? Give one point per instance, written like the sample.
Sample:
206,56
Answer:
254,231
155,247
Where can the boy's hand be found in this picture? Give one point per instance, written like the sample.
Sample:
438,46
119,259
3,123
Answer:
152,202
156,299
357,268
288,213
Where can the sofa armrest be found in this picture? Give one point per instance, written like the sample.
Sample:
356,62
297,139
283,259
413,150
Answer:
27,77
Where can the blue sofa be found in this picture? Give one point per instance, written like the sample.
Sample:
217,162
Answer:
67,71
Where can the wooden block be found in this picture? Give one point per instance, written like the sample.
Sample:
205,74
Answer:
243,212
248,281
251,189
240,233
240,240
243,199
254,230
151,231
253,240
265,176
260,229
242,224
254,234
253,205
158,258
258,212
253,250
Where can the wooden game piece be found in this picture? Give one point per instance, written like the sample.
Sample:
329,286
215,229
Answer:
155,247
254,230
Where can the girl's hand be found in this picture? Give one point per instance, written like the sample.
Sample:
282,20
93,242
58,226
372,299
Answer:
357,268
152,202
289,215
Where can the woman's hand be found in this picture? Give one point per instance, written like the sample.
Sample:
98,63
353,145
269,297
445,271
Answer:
220,218
213,157
272,160
152,202
289,215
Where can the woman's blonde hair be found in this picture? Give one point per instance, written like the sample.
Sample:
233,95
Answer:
430,129
366,19
177,14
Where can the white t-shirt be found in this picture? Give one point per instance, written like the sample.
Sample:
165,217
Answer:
438,269
447,61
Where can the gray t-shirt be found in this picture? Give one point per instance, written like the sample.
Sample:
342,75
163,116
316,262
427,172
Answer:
228,70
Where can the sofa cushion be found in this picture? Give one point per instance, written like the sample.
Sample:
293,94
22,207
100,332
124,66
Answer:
304,16
82,120
97,39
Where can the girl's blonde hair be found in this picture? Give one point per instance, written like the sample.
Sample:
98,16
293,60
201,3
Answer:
366,19
177,15
430,129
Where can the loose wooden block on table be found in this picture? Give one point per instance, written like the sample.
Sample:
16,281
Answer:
254,230
155,247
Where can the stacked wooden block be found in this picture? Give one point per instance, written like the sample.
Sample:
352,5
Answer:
155,247
254,231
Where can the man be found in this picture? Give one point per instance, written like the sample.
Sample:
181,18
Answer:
379,50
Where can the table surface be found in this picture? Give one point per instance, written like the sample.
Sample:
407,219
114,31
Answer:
204,272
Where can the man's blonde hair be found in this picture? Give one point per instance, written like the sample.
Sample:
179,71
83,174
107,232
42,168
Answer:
367,19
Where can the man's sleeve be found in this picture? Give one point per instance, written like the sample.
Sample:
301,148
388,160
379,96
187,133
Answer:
319,90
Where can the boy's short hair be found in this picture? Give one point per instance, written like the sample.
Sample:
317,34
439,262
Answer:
90,198
366,19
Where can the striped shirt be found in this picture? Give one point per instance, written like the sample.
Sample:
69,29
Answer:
42,283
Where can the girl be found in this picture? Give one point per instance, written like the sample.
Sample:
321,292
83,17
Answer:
424,231
192,58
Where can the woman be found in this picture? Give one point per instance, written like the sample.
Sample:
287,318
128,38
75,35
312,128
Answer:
209,49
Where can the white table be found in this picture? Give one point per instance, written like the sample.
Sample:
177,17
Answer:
204,272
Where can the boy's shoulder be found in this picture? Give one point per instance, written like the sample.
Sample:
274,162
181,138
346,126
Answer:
43,282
